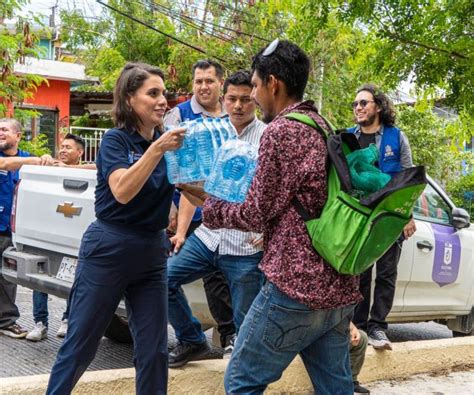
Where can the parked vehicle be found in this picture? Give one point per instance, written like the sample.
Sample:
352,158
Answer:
53,206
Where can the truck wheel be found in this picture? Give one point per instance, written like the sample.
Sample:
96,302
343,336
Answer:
462,334
118,330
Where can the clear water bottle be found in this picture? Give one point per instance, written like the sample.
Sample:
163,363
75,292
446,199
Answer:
205,147
233,171
187,155
228,128
172,167
211,125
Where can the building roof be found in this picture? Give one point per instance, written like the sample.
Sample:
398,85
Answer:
54,70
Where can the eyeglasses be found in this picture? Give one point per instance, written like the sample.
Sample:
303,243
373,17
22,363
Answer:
363,103
271,47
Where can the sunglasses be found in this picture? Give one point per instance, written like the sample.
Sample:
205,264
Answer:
271,47
363,103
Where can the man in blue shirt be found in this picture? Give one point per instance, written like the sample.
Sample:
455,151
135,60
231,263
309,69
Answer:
208,80
10,135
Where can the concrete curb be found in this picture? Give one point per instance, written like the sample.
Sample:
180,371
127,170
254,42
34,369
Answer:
206,377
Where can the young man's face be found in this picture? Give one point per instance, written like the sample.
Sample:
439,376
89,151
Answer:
207,87
9,136
239,105
366,112
70,152
263,97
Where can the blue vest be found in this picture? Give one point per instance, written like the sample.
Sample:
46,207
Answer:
8,180
389,149
187,114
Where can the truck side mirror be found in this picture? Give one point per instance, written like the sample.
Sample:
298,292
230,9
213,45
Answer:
461,218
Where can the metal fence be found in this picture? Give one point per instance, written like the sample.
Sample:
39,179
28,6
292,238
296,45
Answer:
92,137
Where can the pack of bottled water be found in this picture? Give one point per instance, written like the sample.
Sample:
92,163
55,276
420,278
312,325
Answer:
192,162
233,171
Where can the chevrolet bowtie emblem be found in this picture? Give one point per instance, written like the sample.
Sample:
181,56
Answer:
68,209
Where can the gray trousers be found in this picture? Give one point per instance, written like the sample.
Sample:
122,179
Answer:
8,311
357,355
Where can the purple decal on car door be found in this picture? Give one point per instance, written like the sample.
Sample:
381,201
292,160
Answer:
447,255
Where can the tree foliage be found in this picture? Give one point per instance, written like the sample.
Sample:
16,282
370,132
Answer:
432,142
428,41
16,44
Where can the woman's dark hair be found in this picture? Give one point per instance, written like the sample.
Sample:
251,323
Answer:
239,78
131,78
387,111
288,63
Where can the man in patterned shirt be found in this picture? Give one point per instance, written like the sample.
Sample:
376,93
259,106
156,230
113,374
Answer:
237,254
305,306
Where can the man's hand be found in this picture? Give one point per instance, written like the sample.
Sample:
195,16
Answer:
194,193
354,334
409,229
46,160
58,163
177,242
257,242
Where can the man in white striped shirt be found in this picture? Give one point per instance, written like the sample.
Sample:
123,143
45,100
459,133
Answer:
236,253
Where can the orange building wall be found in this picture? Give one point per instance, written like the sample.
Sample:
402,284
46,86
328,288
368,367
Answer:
54,94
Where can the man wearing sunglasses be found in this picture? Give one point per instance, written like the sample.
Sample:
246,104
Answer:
305,306
375,118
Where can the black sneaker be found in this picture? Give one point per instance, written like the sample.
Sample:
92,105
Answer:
187,352
229,348
379,340
358,389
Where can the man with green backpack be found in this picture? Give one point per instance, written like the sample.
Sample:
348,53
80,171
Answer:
375,118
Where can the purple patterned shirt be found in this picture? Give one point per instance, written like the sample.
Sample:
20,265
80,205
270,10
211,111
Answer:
291,162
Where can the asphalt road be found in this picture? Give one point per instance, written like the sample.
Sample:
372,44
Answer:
21,357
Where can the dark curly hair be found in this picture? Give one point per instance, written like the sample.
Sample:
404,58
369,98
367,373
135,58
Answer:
387,111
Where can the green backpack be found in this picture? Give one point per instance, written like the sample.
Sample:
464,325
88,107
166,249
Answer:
351,233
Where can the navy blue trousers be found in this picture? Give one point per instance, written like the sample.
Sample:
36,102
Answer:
114,262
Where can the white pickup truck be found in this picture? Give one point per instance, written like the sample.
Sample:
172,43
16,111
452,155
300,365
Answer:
53,207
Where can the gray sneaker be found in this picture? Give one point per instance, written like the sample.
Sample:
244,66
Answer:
39,332
379,340
62,329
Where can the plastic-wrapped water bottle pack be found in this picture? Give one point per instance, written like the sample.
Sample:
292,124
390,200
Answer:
232,171
212,153
193,161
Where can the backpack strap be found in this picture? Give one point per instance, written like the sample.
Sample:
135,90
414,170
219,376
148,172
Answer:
305,119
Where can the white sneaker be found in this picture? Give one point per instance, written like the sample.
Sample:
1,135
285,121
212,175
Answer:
39,332
62,329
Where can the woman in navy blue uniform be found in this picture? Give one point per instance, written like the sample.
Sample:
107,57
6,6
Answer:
124,252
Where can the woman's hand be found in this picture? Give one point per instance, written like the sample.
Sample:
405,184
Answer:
170,141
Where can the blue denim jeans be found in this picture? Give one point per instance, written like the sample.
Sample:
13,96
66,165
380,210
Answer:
275,330
40,307
193,262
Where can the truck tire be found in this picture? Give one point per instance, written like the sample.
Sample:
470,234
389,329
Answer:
118,330
462,334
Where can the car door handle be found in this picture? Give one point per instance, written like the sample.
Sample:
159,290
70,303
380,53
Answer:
424,244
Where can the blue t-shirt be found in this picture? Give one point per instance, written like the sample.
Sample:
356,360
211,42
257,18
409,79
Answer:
149,209
8,181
